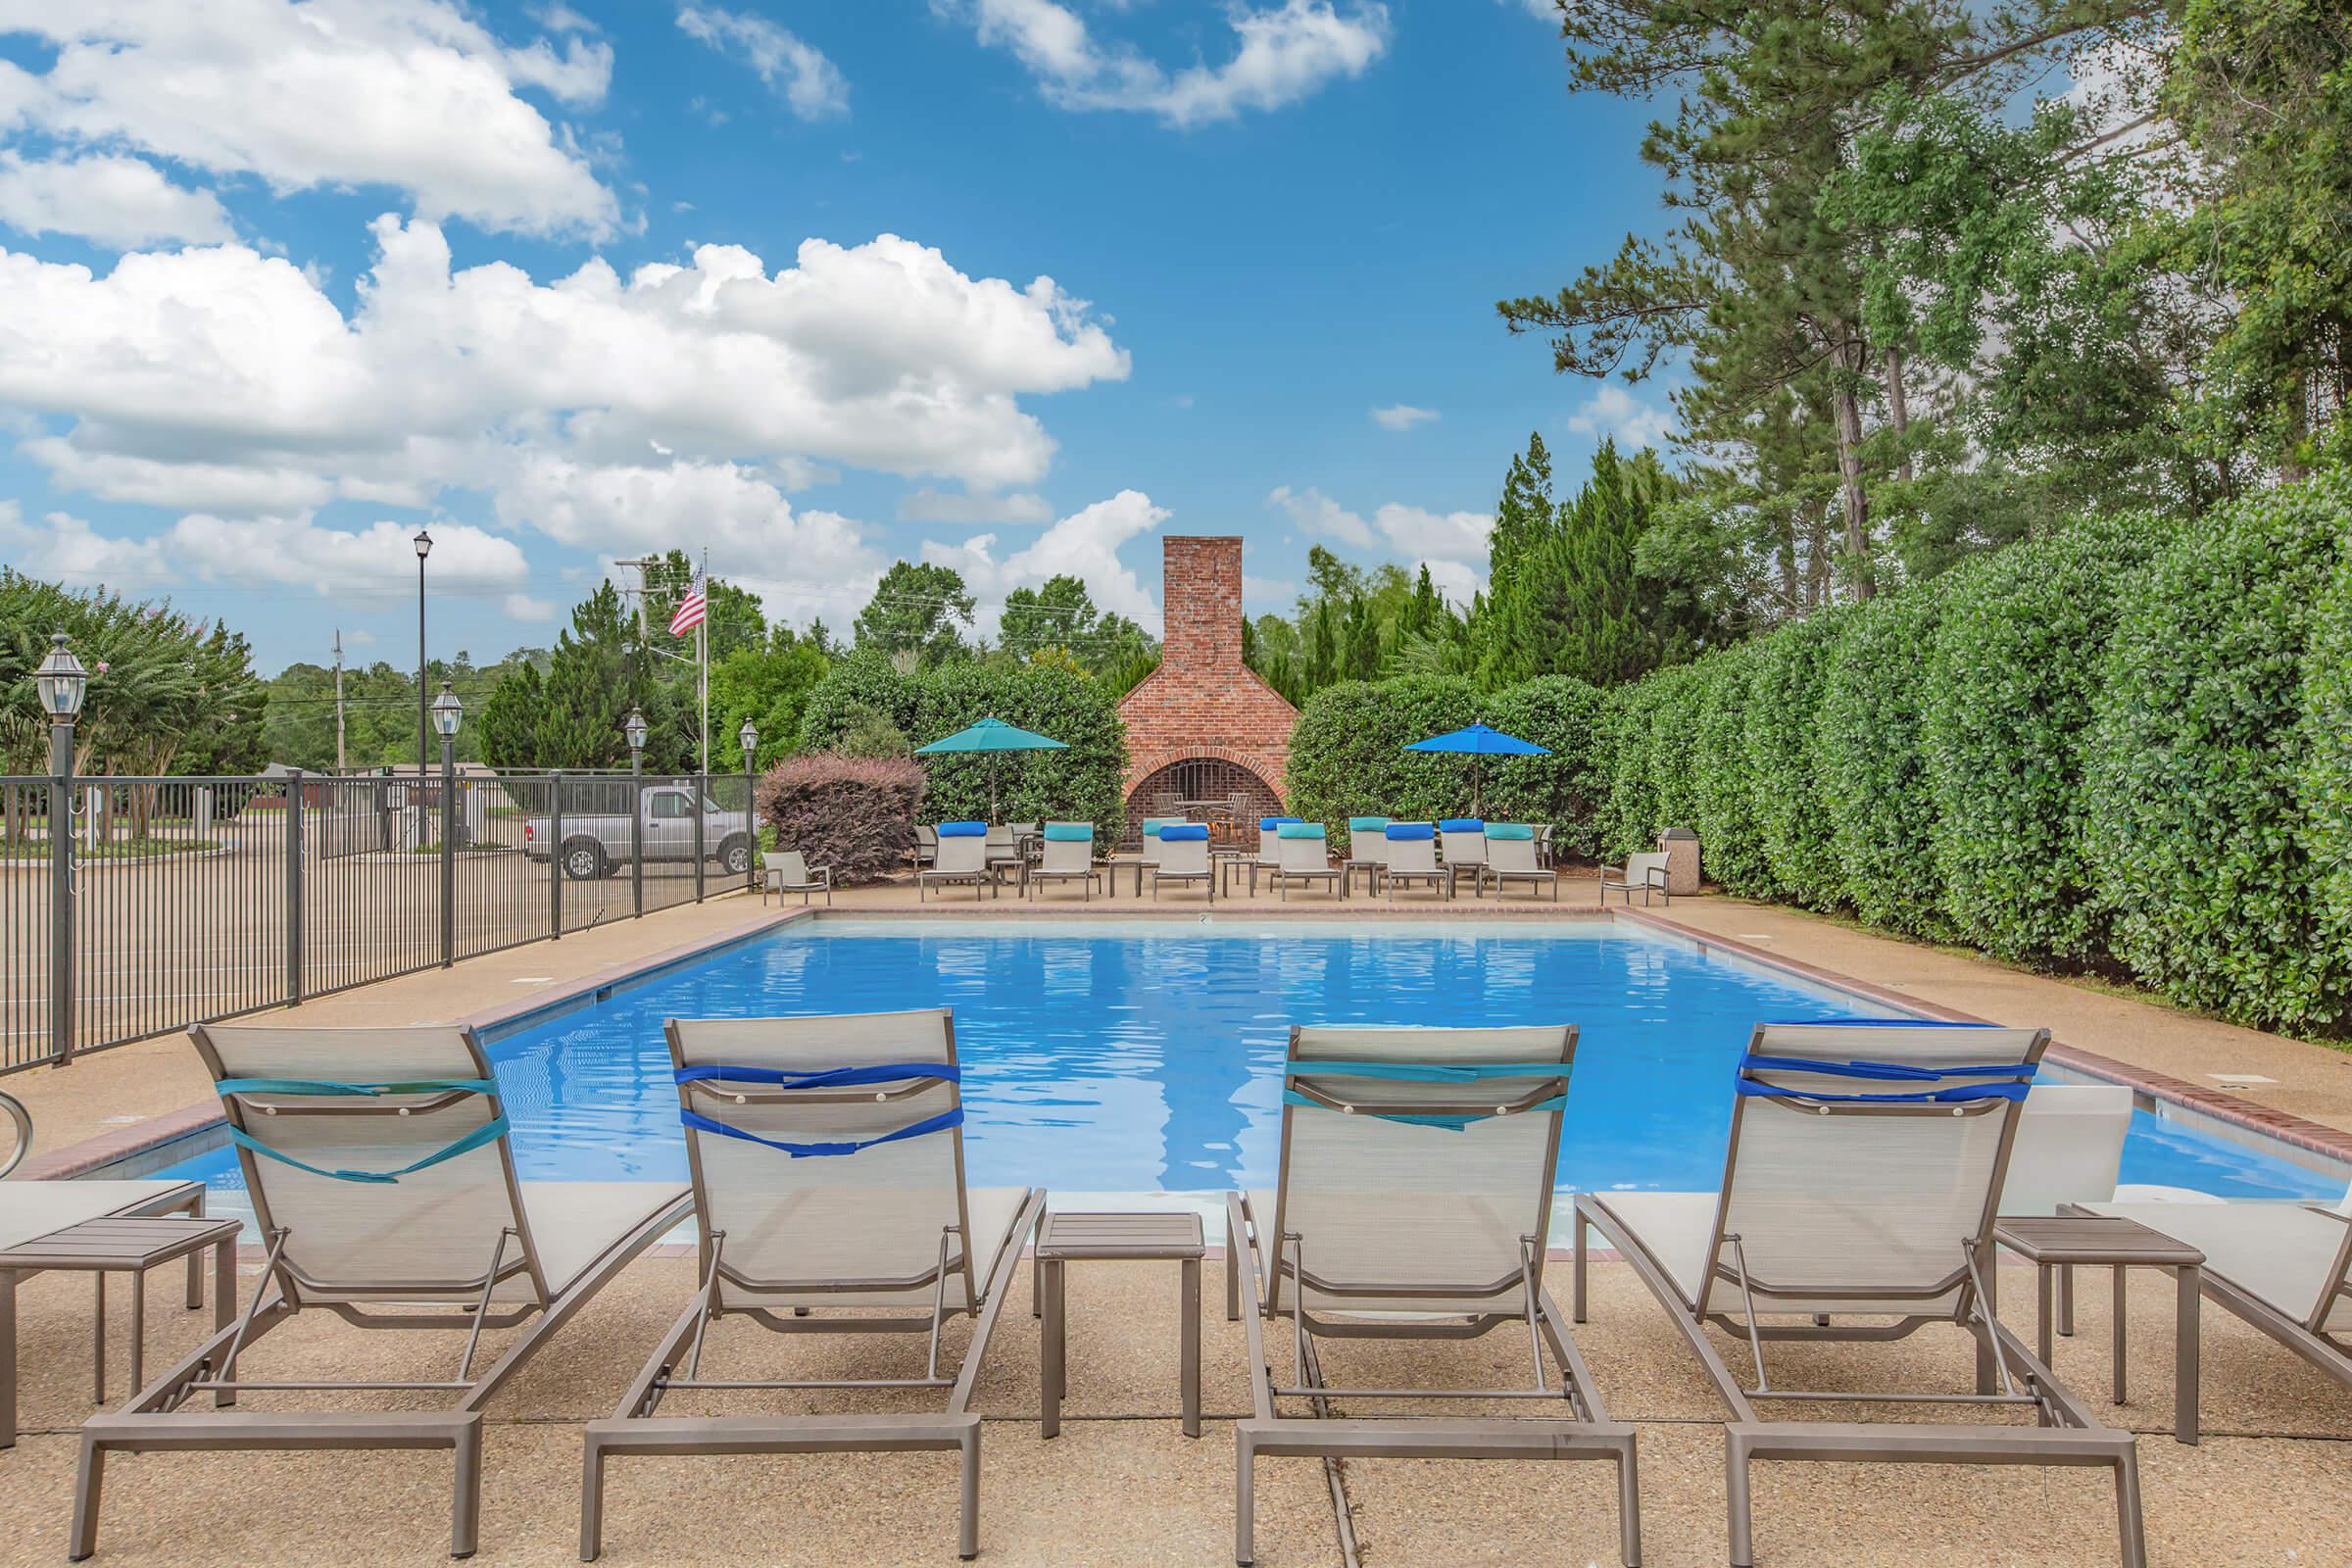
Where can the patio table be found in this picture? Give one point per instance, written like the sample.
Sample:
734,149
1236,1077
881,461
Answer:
1071,1237
2062,1240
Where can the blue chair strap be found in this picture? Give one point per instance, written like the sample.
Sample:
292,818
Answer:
325,1085
929,1124
1426,1072
2016,1076
489,1132
887,1072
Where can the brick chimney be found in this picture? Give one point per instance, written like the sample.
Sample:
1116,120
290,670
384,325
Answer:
1203,704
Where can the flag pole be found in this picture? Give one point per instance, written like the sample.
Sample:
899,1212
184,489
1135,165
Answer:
702,654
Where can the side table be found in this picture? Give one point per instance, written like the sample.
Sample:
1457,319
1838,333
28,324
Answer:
127,1246
1075,1237
2066,1240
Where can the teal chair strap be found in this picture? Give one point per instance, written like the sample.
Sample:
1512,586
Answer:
327,1086
489,1132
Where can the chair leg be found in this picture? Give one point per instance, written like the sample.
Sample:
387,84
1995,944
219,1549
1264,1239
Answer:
2132,1533
967,1543
1233,1273
466,1505
1245,1501
592,1501
89,1483
1576,1273
1742,1520
1628,1507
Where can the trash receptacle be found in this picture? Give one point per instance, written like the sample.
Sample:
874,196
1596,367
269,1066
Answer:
1681,846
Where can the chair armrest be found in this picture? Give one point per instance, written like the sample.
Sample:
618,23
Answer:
2329,1212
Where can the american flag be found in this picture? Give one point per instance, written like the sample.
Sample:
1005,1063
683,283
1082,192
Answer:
692,609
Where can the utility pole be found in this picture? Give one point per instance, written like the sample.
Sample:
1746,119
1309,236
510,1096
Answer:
642,591
339,699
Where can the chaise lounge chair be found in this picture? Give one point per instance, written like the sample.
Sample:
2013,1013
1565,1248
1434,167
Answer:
1069,857
1462,849
1864,1162
1413,857
1367,851
381,1180
2284,1266
1413,1202
1184,858
1511,858
962,857
828,1174
1303,855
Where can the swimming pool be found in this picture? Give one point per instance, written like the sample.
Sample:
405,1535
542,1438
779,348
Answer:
1144,1056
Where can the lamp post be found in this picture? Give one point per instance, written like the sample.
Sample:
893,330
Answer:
749,735
447,711
634,728
60,683
424,547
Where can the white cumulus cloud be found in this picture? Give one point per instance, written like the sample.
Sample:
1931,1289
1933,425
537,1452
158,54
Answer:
1452,544
1085,545
1281,53
930,504
117,201
812,84
1402,417
411,94
1613,412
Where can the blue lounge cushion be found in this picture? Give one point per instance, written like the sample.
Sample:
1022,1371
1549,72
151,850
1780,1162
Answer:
1407,832
1069,832
1301,830
1366,824
1183,832
1267,824
1510,830
963,830
1463,824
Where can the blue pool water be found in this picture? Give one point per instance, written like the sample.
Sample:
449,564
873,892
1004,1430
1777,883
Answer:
1126,1058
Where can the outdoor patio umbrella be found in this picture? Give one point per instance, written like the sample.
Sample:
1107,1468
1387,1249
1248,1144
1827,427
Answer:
1478,743
992,736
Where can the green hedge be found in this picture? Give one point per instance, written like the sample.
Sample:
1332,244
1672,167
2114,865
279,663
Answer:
2199,765
1722,784
2326,792
1869,763
1348,756
2011,687
1081,784
1784,707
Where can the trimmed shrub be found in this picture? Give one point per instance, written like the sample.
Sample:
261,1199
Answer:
1081,783
1869,764
855,815
2199,764
2326,788
1347,756
1782,710
1566,788
2010,692
1723,787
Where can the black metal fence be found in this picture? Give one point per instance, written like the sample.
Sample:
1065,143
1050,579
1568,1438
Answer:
178,899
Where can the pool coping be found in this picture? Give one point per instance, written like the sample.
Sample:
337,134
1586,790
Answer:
147,1141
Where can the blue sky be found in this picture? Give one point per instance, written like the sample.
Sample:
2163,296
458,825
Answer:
283,284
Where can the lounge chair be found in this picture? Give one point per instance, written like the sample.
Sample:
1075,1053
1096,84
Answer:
1462,847
1367,851
1069,857
1184,858
2069,1148
2282,1264
1645,872
1304,856
1269,846
962,857
1413,857
1511,858
33,1210
1413,1202
783,872
1004,851
381,1177
828,1174
1864,1162
1543,832
926,845
1147,857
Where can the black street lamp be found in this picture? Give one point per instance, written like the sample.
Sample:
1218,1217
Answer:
60,683
749,735
424,547
633,728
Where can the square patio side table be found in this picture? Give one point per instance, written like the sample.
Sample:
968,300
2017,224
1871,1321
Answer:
130,1246
2067,1238
1066,1237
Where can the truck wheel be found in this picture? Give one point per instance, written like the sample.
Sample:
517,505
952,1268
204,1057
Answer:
735,855
585,860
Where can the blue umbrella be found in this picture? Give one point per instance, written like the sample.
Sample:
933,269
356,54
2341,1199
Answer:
1479,742
992,735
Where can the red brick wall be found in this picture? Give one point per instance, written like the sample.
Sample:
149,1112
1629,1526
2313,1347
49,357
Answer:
1203,701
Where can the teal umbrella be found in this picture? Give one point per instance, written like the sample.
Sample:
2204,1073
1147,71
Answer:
992,736
1478,743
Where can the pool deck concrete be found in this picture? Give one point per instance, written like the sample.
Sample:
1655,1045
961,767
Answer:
2271,1484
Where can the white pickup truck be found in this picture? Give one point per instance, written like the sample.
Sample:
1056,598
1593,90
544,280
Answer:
596,843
